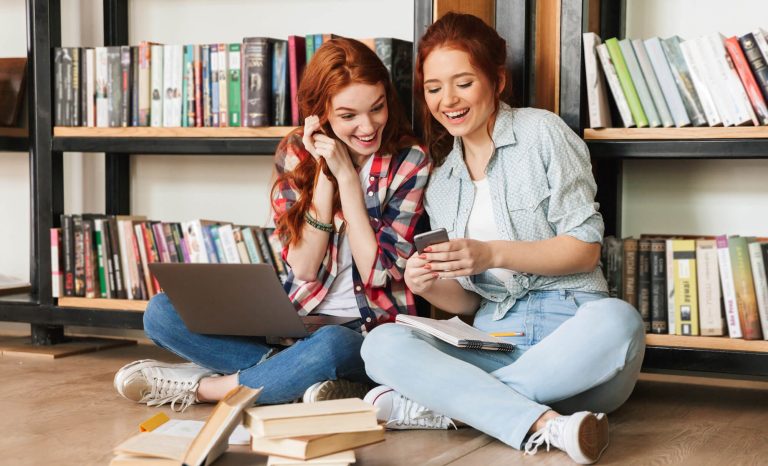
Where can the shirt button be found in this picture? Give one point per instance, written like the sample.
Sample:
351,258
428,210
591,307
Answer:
370,193
368,319
357,288
373,178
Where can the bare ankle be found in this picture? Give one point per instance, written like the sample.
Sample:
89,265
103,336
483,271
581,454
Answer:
542,420
212,389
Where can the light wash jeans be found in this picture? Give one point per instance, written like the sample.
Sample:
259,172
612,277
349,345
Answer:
330,353
581,351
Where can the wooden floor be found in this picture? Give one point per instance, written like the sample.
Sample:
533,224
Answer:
66,412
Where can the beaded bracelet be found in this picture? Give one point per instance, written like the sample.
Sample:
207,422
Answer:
315,223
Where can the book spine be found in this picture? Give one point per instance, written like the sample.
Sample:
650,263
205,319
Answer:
68,254
187,85
138,229
653,83
198,91
682,77
658,287
686,304
157,67
90,260
739,101
114,86
728,287
627,86
135,93
210,247
74,96
629,276
666,82
615,86
761,284
214,67
98,234
205,71
90,87
644,282
57,277
744,288
756,62
280,92
77,229
234,112
710,317
250,245
145,85
670,276
696,69
223,88
747,79
296,68
258,63
58,88
125,85
628,52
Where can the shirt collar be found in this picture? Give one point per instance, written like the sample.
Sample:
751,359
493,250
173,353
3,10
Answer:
503,135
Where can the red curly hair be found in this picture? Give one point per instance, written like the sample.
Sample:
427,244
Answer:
334,66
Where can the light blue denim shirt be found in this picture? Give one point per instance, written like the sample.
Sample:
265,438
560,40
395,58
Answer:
541,186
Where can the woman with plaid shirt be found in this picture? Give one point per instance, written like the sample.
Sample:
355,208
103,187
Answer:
347,198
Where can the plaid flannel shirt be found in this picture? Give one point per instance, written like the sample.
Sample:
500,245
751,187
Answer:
394,203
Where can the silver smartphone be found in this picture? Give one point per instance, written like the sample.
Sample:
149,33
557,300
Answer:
422,240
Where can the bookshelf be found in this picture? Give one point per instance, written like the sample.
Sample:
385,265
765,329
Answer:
609,147
14,140
48,146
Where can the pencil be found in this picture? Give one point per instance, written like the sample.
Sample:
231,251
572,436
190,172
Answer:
507,334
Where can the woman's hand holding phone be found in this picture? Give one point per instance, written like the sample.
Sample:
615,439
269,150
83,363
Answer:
459,257
418,275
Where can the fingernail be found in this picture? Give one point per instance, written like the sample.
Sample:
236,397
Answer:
428,249
428,266
422,256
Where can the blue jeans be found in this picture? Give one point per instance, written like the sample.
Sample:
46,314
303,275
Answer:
581,351
330,353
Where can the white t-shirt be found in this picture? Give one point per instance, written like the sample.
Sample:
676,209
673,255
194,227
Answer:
480,225
340,300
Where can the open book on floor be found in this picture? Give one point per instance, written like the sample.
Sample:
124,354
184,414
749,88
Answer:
154,449
455,332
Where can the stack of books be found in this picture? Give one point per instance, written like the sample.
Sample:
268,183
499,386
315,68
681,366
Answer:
325,432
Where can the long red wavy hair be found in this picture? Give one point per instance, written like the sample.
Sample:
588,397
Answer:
487,53
335,65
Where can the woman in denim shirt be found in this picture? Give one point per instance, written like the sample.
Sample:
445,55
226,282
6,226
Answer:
515,191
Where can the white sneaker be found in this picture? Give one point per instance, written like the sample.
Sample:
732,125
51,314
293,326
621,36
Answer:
400,412
583,436
156,383
334,390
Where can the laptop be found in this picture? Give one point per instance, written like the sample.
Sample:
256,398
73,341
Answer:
235,299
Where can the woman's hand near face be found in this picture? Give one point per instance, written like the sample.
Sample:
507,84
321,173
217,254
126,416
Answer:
419,276
335,154
311,125
459,257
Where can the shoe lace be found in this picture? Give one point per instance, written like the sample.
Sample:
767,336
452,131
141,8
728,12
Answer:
166,390
411,414
549,434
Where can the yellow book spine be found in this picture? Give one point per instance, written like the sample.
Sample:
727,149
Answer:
686,305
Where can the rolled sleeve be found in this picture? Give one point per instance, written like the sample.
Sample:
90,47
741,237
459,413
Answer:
572,210
399,219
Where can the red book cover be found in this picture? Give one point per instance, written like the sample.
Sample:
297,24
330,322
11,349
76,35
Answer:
296,60
745,74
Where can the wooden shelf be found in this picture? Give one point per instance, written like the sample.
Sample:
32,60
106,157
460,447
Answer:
98,303
149,132
169,141
666,134
13,132
710,343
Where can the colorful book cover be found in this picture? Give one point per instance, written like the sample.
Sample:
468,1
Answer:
686,299
626,83
744,288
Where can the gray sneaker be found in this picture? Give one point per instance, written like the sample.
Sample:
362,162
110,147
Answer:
156,383
334,390
583,436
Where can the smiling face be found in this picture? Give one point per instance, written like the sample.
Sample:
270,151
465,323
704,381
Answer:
358,115
459,96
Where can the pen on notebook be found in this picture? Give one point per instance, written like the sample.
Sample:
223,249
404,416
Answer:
507,334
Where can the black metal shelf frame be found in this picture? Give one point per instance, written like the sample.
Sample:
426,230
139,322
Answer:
168,146
680,149
12,144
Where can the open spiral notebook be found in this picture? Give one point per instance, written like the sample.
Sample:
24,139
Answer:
455,332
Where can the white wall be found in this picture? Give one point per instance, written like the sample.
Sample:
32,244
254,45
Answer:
695,196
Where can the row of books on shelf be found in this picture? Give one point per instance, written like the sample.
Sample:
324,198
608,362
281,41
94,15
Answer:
108,256
253,83
709,286
707,81
323,432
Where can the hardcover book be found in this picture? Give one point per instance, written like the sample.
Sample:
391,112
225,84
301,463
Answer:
710,315
686,302
744,288
667,82
653,83
630,92
597,96
658,287
313,446
613,83
682,77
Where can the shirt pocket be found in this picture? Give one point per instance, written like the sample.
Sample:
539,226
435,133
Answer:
528,213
